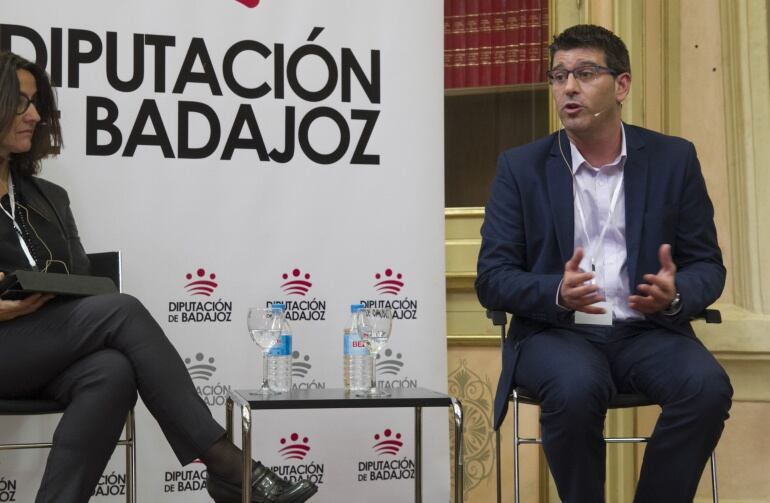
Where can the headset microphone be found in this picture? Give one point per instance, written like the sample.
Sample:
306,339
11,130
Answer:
597,114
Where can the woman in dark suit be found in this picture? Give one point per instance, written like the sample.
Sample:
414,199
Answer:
93,353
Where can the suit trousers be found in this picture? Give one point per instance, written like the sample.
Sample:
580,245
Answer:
575,372
94,354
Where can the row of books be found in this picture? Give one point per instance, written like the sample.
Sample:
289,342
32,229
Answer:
495,42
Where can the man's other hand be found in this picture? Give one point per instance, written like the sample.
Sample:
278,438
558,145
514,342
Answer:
660,290
577,292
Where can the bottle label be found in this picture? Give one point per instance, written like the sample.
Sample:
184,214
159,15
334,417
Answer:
283,348
354,346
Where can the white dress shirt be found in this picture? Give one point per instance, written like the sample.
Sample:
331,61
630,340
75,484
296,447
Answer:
594,191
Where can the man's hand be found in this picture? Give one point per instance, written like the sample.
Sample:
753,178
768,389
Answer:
575,293
10,309
659,291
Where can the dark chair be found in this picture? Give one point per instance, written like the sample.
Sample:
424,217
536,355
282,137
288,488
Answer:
621,401
102,264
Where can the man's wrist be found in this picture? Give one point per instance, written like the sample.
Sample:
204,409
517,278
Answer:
675,306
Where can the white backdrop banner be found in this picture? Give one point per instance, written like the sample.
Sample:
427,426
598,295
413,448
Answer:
241,153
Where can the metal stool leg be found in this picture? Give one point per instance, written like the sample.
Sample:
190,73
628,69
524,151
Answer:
516,490
457,410
714,489
497,464
131,458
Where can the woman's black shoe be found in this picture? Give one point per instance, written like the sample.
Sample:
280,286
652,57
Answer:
266,487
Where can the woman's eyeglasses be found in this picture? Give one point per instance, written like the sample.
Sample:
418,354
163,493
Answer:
25,102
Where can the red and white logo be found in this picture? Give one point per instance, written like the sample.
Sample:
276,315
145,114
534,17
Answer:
296,283
294,448
200,284
387,443
388,283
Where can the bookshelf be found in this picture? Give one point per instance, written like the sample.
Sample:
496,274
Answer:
482,120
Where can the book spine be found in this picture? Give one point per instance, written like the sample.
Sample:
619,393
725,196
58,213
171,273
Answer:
458,46
472,43
448,41
485,42
534,37
513,41
546,41
498,42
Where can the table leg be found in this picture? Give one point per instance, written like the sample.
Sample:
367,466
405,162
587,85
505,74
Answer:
418,455
457,409
246,450
229,418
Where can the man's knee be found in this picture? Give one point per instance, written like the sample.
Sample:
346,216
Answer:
577,397
708,394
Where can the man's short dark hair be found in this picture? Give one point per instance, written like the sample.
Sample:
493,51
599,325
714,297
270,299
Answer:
590,36
47,135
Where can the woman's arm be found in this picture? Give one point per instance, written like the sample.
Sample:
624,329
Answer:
10,309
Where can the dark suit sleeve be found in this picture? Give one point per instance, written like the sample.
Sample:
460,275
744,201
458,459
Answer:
700,276
505,281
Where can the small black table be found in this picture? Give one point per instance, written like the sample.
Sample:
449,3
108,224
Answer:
416,398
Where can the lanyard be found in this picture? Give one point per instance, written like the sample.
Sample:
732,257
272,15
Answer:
12,216
593,246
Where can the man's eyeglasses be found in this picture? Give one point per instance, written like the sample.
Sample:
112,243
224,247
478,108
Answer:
583,74
24,103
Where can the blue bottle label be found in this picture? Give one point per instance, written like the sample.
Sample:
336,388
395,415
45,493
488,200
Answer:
283,348
354,346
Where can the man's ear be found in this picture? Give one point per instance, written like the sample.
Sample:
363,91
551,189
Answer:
622,86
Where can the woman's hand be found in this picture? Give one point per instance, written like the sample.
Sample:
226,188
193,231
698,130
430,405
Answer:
10,309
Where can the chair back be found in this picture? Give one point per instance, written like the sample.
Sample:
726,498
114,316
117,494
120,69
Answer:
108,265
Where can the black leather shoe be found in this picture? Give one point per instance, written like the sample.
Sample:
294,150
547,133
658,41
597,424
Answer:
266,487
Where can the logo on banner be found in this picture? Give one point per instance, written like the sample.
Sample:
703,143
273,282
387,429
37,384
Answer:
300,373
386,445
297,284
7,489
389,366
200,311
199,284
389,284
110,484
347,104
249,3
294,449
187,480
300,365
202,369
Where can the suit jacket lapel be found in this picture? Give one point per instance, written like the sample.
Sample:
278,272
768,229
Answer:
559,182
635,190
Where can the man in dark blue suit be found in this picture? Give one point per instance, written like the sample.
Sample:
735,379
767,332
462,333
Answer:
600,240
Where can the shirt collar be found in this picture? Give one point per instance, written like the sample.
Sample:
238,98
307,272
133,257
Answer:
578,159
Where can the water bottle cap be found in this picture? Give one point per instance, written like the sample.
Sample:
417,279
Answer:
278,307
354,308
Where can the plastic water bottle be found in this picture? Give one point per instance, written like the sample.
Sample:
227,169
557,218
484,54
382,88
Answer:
357,365
279,357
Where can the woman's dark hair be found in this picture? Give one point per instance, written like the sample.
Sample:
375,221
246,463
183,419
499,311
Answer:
47,136
594,37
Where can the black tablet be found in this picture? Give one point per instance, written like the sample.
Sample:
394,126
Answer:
20,284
